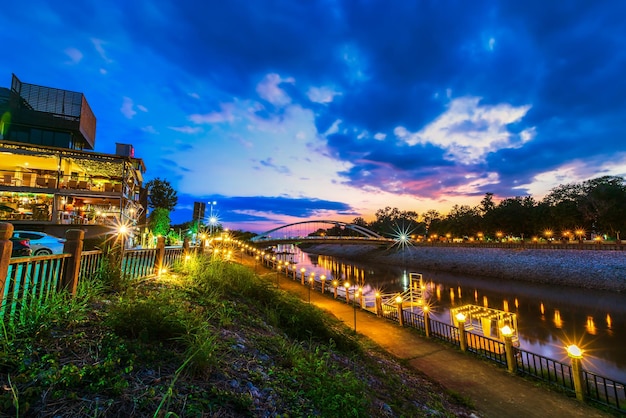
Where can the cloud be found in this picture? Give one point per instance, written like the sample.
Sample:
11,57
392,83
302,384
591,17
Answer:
75,55
469,131
321,95
186,129
127,108
99,46
225,115
268,89
269,162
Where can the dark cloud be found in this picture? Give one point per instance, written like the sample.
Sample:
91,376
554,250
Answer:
229,208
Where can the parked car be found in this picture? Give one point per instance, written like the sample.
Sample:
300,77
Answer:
41,243
21,247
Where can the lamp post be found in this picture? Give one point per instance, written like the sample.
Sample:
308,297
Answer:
323,279
302,271
212,218
507,333
311,281
122,231
426,311
347,286
400,310
278,266
461,321
335,285
575,353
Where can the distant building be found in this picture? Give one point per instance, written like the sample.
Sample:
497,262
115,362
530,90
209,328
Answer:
49,176
198,211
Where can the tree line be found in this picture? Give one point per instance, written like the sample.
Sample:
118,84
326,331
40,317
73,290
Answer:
583,210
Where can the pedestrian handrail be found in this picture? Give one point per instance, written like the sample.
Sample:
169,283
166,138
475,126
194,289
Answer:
544,368
486,347
605,391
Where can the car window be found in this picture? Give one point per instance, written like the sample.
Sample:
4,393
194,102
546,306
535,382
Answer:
29,235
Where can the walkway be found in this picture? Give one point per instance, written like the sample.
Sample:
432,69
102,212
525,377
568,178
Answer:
494,392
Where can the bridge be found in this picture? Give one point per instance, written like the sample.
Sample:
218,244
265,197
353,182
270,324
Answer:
320,231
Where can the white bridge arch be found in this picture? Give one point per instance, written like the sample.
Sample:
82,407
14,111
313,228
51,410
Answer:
272,236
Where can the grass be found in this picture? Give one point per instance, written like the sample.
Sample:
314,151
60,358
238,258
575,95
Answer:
210,339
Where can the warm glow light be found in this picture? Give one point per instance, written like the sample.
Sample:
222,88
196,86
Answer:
574,351
460,317
425,309
506,331
398,299
346,285
557,319
591,326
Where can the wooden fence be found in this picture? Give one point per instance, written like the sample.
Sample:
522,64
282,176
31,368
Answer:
30,280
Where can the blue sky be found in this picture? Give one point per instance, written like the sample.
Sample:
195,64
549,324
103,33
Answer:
289,110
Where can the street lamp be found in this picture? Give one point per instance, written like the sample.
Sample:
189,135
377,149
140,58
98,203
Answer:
122,231
347,286
302,271
575,353
212,218
311,281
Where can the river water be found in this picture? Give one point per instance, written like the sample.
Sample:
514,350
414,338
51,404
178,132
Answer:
548,317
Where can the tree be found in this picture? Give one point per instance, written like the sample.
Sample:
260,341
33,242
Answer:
161,194
159,222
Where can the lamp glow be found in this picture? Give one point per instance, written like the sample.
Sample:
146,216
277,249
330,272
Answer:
574,351
506,331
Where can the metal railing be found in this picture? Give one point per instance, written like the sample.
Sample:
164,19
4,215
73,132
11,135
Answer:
486,347
605,391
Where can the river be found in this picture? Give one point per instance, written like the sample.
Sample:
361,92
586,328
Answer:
548,317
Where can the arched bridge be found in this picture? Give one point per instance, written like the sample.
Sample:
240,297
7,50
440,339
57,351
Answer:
312,231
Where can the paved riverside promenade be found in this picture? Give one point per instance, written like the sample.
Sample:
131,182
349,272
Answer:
494,392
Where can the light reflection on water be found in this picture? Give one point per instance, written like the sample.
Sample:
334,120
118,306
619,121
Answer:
549,317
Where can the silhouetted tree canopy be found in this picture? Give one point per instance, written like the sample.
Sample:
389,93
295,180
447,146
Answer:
161,194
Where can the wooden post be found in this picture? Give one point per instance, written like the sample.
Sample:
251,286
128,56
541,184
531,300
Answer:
427,322
462,336
6,246
400,313
74,246
185,247
510,355
379,304
160,255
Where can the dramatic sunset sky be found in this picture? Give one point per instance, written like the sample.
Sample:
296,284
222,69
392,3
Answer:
288,110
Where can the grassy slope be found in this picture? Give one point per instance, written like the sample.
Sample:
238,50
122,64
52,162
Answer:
210,340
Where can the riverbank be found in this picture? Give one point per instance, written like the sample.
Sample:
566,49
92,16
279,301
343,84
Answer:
604,270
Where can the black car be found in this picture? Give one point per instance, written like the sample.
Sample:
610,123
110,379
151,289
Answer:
21,247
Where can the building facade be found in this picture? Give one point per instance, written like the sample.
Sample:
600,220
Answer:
50,179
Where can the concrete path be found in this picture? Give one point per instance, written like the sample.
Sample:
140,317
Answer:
494,392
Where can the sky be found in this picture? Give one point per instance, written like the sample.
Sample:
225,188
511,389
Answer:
282,111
